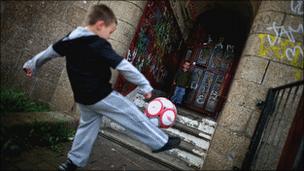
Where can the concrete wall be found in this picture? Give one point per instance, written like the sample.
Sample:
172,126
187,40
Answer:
28,27
268,60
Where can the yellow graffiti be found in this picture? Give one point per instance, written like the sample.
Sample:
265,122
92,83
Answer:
284,51
299,75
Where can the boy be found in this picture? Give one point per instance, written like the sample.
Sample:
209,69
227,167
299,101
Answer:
181,80
89,57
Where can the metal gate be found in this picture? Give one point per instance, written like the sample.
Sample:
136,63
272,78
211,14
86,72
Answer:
280,111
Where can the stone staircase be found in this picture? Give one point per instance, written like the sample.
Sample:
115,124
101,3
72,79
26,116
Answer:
196,133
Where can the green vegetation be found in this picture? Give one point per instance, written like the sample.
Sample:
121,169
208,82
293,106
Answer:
16,101
18,138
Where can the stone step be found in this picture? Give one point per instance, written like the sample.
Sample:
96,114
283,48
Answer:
169,158
191,131
206,127
195,141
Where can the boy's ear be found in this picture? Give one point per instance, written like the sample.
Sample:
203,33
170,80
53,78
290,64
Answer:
99,24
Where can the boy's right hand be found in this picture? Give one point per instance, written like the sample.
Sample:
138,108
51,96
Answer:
148,95
28,72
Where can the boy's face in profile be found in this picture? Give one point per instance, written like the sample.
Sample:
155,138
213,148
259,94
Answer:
186,66
103,30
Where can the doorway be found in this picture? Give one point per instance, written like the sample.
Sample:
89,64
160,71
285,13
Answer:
214,47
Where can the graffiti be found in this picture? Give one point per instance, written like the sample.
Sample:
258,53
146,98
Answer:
281,30
297,7
284,51
153,46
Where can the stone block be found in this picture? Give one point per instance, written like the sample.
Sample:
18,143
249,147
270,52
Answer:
51,70
247,94
252,46
276,49
279,6
124,32
264,20
63,99
252,123
140,4
235,117
43,90
105,2
126,11
252,68
85,4
267,158
216,161
230,145
75,16
21,13
294,26
296,7
64,79
120,48
279,74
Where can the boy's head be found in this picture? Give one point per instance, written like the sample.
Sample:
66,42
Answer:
186,65
101,20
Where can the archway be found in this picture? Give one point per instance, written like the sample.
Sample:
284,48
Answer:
214,47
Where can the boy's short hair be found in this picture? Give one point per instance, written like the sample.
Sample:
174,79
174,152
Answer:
100,12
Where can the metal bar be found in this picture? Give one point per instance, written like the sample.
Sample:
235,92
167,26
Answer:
250,156
289,85
270,119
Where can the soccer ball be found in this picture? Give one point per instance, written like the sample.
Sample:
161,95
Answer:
161,111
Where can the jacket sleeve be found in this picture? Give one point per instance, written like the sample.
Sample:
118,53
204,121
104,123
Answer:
134,76
38,60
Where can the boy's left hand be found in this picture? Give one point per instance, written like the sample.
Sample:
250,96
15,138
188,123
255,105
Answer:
28,72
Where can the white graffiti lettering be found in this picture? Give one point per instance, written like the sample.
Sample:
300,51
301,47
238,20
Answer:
297,6
292,51
281,30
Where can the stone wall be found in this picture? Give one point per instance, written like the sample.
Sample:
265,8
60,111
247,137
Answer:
28,27
268,60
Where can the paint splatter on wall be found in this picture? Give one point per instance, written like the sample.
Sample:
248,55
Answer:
153,50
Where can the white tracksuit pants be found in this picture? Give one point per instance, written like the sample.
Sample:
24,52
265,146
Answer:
121,110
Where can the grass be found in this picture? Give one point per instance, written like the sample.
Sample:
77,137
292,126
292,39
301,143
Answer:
12,100
22,137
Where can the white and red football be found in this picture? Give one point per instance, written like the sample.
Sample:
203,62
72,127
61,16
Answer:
162,112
